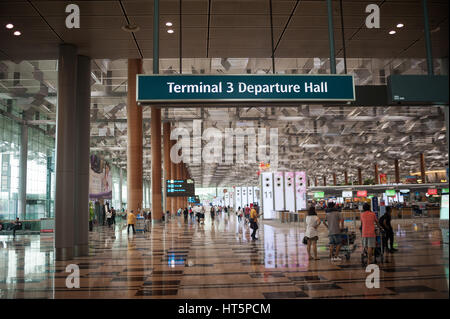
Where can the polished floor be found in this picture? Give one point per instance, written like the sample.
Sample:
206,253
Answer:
219,260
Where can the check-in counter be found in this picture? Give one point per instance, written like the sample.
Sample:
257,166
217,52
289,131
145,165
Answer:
300,216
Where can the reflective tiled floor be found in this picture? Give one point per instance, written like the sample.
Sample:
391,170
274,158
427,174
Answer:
218,260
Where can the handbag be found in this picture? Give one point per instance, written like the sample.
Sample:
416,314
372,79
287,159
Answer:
305,240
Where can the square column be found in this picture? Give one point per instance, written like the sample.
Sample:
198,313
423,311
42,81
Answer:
83,126
65,152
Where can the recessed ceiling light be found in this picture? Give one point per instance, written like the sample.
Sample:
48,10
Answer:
130,28
170,31
392,32
169,24
17,33
400,25
9,26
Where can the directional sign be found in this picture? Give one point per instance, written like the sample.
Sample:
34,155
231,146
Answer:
250,88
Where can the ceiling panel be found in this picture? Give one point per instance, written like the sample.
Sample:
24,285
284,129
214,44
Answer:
236,27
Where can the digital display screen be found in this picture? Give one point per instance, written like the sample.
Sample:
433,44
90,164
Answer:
445,191
194,199
347,194
432,191
444,207
404,191
319,194
361,194
390,192
180,188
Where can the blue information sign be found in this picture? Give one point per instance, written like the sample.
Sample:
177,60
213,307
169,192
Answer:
180,187
244,88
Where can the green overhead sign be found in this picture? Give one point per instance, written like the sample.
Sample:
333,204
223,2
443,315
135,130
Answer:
244,88
319,194
390,192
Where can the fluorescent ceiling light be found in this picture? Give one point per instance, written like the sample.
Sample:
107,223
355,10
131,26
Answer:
17,33
9,26
400,25
169,24
170,31
392,32
291,118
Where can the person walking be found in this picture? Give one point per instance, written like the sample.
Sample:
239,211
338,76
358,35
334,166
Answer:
247,213
108,218
368,221
212,212
17,226
91,216
311,234
335,224
253,219
185,213
385,222
239,213
113,216
131,221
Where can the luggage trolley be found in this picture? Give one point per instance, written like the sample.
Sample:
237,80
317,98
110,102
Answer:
379,247
140,224
348,242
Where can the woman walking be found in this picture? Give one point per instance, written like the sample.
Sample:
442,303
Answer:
311,234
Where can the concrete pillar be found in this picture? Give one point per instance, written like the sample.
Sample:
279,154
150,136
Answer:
156,164
173,174
346,177
446,115
422,168
167,166
376,180
120,187
315,181
179,176
65,152
334,179
134,134
324,180
22,214
184,177
83,125
360,181
397,172
149,187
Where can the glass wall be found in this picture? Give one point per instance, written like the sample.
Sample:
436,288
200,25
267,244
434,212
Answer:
40,190
116,184
40,172
9,161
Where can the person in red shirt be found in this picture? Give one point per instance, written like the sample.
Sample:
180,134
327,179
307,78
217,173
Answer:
368,222
247,213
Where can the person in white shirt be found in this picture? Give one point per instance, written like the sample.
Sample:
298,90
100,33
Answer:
109,218
311,234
